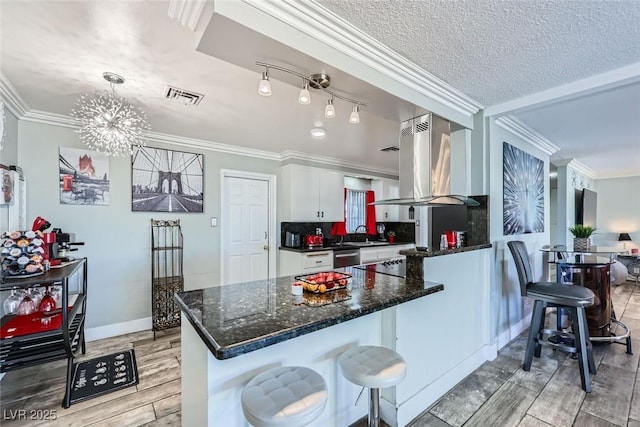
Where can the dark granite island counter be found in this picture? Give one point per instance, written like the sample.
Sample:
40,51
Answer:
231,333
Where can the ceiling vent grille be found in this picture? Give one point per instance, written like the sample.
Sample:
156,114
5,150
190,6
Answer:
391,148
184,96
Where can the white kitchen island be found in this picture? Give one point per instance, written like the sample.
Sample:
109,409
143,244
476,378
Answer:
232,333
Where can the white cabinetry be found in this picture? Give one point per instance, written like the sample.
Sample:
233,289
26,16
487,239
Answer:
295,263
312,194
386,189
382,253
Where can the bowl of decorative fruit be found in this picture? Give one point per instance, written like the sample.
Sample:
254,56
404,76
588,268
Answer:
319,283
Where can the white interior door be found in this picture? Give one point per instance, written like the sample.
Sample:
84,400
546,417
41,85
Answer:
245,230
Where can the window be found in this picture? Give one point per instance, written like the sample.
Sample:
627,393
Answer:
356,210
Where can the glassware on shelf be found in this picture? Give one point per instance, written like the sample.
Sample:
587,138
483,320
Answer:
10,305
26,306
36,295
48,302
56,293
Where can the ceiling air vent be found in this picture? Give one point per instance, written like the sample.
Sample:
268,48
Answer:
184,96
391,148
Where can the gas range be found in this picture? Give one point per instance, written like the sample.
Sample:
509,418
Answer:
393,267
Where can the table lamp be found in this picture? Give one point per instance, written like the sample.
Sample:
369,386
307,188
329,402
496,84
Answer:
624,237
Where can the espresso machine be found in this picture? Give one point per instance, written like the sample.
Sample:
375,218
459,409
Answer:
58,246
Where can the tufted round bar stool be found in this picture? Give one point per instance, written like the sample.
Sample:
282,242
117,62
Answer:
289,396
373,367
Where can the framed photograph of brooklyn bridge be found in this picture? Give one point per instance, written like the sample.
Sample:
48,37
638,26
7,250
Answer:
166,181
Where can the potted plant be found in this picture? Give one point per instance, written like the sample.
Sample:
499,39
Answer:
391,236
581,234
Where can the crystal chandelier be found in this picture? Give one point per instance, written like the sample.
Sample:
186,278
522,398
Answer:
110,124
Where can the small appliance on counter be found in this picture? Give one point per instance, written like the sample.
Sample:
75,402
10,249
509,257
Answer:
380,228
62,247
314,240
292,240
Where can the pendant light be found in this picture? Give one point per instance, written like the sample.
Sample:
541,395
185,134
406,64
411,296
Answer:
329,111
305,97
354,118
264,88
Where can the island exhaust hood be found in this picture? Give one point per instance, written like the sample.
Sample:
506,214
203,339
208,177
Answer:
425,164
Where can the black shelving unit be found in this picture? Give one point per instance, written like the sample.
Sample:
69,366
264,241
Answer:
166,273
42,347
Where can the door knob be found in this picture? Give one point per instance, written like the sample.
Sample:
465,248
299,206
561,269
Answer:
265,247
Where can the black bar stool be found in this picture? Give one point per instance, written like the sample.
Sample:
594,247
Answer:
551,294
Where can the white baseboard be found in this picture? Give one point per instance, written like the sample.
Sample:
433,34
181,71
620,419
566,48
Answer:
413,407
115,329
508,335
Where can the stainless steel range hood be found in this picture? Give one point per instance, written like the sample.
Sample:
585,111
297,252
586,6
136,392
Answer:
425,164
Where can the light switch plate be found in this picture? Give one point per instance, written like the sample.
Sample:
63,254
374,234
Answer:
214,222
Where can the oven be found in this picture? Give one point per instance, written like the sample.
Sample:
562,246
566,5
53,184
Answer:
346,258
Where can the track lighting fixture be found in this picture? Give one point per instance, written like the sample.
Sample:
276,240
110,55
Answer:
354,118
329,111
305,97
264,88
318,81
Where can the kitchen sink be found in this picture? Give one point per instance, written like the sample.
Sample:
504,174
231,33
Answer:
365,244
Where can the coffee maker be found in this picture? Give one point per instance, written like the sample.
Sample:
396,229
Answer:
380,228
59,246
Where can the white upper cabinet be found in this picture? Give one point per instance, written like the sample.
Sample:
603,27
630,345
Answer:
386,189
311,194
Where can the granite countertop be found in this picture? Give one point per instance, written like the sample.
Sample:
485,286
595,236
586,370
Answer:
344,247
428,254
240,318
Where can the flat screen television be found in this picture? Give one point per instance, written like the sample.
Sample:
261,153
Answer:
586,207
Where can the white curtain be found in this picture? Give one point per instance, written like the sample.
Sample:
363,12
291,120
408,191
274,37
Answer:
356,210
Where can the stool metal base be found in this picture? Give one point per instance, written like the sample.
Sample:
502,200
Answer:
374,407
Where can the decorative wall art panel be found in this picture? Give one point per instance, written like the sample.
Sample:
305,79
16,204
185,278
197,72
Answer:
166,181
84,177
523,192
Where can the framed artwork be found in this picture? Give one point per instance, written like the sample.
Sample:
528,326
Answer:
8,191
84,177
166,181
523,192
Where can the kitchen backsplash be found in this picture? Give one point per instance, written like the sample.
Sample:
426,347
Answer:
405,231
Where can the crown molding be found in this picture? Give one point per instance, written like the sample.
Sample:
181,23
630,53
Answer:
12,100
43,117
604,81
210,145
332,161
188,12
577,165
320,23
520,129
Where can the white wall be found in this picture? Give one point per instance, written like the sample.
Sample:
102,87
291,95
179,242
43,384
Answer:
509,309
118,240
618,211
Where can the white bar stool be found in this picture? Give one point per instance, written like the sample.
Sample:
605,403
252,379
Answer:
373,367
289,396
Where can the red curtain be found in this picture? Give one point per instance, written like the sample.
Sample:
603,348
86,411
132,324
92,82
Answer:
340,228
370,197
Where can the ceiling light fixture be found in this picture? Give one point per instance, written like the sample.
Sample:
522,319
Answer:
329,110
305,97
354,118
110,124
318,132
264,88
318,81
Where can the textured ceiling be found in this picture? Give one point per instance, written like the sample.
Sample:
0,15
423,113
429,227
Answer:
54,51
497,50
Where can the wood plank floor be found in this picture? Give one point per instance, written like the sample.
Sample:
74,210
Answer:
499,393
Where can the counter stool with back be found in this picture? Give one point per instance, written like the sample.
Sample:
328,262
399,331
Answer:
373,367
288,396
552,294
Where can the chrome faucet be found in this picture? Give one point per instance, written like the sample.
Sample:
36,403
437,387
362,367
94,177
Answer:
365,231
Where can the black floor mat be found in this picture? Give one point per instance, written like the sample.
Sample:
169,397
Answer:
103,375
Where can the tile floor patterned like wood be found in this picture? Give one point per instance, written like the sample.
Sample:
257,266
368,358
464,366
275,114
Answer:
154,402
499,393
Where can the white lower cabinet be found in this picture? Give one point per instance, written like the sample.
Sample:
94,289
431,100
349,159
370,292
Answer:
298,263
382,253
